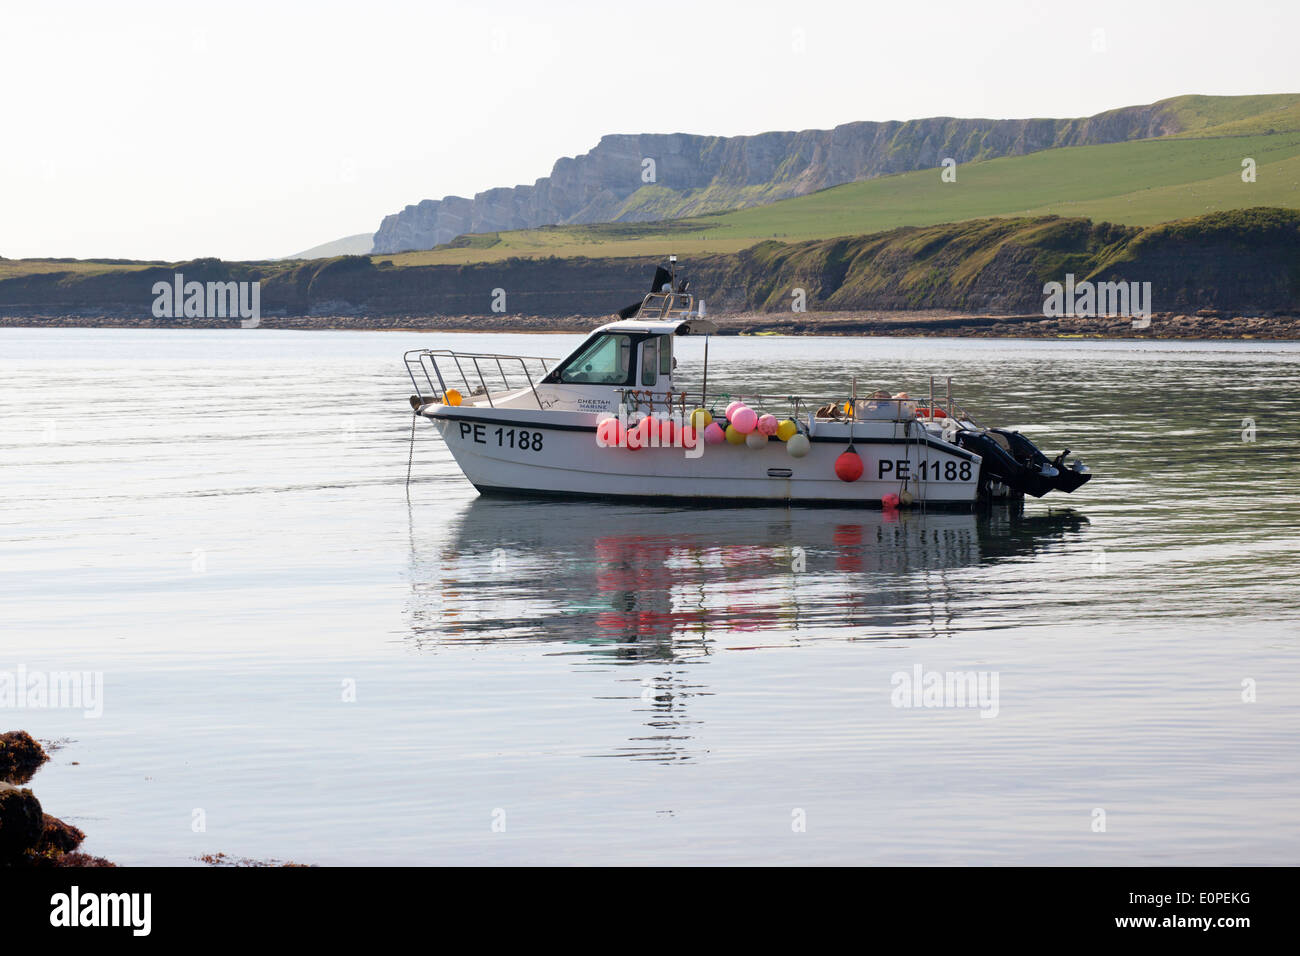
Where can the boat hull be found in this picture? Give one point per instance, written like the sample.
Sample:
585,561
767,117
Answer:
550,454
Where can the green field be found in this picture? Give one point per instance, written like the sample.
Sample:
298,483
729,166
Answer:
9,268
1135,183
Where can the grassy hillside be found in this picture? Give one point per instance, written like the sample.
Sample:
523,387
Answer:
1243,261
1134,183
1235,115
9,268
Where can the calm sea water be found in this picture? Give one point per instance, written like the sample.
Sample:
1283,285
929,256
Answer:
301,662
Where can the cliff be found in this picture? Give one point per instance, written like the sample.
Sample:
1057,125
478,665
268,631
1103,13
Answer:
700,174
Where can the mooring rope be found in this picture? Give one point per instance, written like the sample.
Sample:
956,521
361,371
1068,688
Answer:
410,458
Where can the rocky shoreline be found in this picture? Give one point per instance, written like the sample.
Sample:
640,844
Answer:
30,837
1203,324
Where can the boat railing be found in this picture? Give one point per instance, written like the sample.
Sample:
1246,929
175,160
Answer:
784,406
483,375
866,407
667,305
487,376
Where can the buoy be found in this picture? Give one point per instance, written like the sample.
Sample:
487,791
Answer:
905,497
735,436
609,433
745,420
890,500
767,424
690,437
667,432
755,439
635,437
786,429
848,408
733,408
848,467
798,445
713,434
701,419
452,397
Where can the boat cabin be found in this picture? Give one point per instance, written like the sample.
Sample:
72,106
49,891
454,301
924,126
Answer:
630,355
630,359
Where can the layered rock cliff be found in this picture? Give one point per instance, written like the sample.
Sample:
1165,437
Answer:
700,174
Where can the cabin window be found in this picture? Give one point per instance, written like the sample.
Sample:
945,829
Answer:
666,356
605,361
649,361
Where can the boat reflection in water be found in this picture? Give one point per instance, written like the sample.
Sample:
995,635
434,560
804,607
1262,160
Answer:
666,588
648,583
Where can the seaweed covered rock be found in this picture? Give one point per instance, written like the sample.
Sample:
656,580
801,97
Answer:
81,860
20,756
58,837
21,823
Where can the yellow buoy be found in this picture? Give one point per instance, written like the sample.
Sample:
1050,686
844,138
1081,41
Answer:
786,429
735,437
701,419
848,408
452,397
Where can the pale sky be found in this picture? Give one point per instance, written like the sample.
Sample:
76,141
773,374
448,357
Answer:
173,130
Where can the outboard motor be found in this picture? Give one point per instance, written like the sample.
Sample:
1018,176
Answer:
1012,459
1066,477
1071,476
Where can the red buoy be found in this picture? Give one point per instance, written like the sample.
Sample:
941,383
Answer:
848,467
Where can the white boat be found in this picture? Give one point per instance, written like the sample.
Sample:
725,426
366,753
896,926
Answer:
521,425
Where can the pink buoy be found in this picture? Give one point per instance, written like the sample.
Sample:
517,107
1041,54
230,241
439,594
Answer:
667,432
768,425
733,408
714,435
890,500
690,438
609,432
745,420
